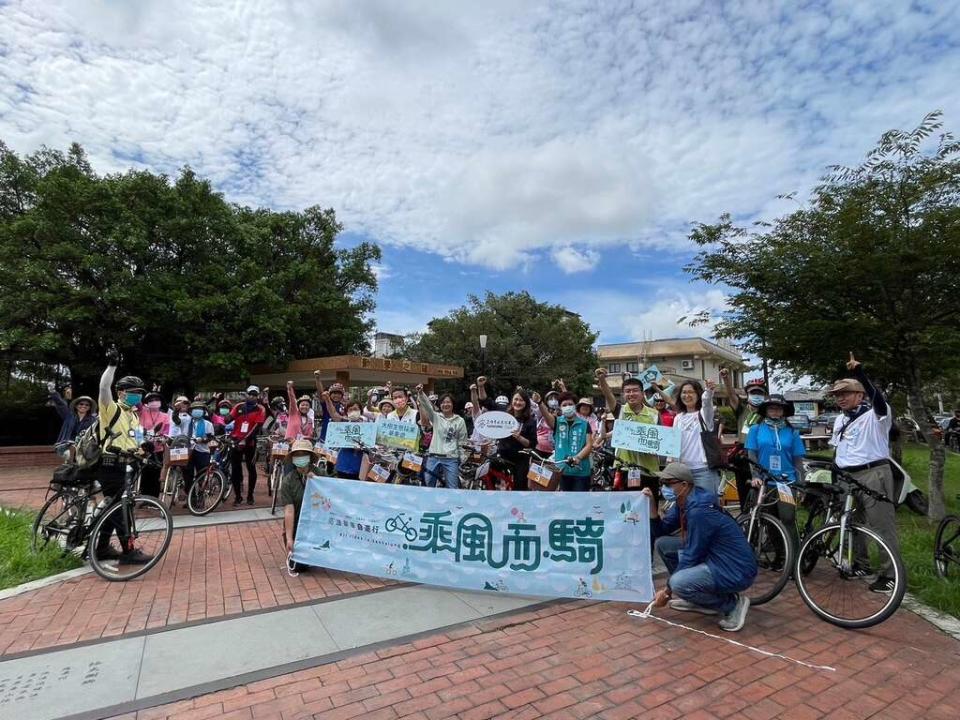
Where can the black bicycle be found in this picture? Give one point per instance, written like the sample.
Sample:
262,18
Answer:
106,532
946,549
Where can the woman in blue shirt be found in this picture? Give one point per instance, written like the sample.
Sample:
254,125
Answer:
775,445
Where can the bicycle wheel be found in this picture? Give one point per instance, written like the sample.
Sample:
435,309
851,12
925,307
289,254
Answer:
946,548
58,523
206,493
816,519
276,480
148,526
168,495
837,589
773,550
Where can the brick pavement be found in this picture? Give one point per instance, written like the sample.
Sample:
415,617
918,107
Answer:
580,660
208,572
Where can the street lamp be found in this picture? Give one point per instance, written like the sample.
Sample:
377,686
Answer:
483,354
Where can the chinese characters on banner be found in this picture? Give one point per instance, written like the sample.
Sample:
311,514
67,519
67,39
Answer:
396,434
645,438
350,435
496,424
542,544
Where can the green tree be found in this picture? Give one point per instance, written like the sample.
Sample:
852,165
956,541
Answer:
192,289
869,265
529,343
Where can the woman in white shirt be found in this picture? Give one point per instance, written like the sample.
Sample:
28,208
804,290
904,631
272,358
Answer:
695,413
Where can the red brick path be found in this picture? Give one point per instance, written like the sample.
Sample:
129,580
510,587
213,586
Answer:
207,572
592,661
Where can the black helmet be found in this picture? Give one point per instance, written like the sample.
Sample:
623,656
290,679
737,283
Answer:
130,382
149,396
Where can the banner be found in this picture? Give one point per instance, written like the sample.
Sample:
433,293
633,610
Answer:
649,376
524,543
495,424
396,434
646,438
349,434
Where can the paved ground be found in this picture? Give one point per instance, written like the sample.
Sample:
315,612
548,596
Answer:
569,659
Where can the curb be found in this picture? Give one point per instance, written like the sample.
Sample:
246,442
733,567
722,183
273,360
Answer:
946,623
44,582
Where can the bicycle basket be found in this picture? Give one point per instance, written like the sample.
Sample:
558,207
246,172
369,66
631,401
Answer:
178,454
71,475
545,476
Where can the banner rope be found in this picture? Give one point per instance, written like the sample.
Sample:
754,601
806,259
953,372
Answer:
648,614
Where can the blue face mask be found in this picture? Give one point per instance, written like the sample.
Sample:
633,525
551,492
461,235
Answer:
132,399
196,413
755,399
301,461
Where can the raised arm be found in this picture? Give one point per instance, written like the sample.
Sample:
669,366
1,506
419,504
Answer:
482,387
728,388
548,417
875,397
331,408
106,380
63,410
707,410
475,399
609,399
425,406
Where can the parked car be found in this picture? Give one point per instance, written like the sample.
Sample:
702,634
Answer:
800,422
826,420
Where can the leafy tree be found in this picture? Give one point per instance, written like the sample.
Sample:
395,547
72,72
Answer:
529,343
193,290
870,265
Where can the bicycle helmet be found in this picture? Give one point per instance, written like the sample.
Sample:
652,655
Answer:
277,402
152,396
755,384
304,398
224,403
253,390
502,401
336,388
129,382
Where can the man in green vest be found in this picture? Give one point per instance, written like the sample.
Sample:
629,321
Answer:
634,408
747,417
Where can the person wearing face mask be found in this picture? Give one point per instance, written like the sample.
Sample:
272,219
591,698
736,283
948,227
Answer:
710,563
119,427
401,404
349,460
304,462
221,418
449,434
152,416
248,417
545,443
299,421
747,417
200,430
573,441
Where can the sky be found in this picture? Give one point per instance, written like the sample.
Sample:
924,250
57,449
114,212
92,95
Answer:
564,148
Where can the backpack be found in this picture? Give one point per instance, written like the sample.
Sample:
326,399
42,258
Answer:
88,448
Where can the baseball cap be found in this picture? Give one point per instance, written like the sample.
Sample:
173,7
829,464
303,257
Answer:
846,385
674,473
253,389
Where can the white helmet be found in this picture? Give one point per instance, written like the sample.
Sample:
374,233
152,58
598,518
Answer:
502,400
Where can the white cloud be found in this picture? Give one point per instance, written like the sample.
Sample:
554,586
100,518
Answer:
571,260
494,133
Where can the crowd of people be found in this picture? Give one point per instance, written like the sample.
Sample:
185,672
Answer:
709,561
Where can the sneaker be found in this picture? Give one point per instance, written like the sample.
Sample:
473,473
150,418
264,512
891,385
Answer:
249,501
882,585
735,619
107,553
135,557
685,606
861,573
237,502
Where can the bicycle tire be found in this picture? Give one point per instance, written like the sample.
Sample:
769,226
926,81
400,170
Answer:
828,536
207,487
946,546
102,568
276,481
171,488
815,520
773,550
64,531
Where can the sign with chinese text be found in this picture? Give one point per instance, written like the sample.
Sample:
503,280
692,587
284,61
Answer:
805,408
350,435
524,543
496,424
650,375
646,438
397,434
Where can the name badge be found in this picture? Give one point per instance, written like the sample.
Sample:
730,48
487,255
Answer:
786,494
775,463
244,427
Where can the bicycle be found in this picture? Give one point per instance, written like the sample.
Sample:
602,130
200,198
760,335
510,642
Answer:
946,548
848,555
72,521
771,542
278,458
209,488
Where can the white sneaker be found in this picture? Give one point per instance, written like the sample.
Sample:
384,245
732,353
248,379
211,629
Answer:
735,619
686,606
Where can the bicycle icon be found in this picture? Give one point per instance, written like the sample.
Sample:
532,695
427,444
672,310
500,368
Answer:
403,525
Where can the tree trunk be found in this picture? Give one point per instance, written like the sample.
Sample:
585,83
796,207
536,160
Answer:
937,506
896,446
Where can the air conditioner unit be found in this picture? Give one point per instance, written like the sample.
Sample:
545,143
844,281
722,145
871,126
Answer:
686,364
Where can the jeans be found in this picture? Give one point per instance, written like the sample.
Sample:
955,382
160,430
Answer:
706,478
693,584
575,483
448,468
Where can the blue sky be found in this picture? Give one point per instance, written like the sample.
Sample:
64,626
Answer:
559,147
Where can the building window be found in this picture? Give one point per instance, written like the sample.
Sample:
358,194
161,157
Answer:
613,367
632,367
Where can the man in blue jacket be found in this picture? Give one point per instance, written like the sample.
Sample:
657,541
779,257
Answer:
710,562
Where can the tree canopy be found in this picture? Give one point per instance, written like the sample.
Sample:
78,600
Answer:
192,289
529,343
870,265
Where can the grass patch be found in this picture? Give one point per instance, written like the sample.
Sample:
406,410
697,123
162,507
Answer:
18,562
917,533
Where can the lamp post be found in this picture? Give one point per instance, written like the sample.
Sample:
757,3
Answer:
483,354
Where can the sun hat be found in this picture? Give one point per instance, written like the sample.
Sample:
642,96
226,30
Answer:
198,404
181,399
585,401
846,385
336,387
84,398
776,399
385,401
303,446
674,473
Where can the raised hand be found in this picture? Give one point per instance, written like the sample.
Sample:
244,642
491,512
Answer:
113,356
724,374
535,397
289,383
852,363
711,385
599,373
482,380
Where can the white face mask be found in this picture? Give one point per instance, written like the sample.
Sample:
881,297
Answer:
568,410
354,414
184,416
755,399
